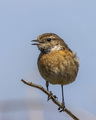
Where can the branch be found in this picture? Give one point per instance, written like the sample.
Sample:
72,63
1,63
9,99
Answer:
52,97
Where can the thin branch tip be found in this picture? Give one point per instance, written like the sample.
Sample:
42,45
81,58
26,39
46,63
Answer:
22,80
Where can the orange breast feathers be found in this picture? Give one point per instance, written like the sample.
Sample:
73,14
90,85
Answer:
58,67
56,60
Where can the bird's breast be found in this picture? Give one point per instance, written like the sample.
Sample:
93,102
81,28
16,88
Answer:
58,67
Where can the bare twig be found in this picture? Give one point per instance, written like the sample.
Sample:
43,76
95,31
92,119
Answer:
52,97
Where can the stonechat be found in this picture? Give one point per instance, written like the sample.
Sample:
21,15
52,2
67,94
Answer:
57,63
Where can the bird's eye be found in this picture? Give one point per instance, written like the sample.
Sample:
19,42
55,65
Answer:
49,39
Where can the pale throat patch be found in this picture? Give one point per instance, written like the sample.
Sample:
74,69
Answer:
57,47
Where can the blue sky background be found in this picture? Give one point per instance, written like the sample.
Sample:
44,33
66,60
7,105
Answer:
23,20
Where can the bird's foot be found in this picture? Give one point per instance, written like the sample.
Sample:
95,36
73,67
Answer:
62,109
49,96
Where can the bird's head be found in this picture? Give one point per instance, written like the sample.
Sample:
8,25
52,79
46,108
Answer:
48,42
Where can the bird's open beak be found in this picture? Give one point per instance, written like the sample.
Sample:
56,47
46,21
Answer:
35,43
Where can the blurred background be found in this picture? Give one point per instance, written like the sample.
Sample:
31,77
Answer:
20,22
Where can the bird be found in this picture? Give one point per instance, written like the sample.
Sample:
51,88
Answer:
57,63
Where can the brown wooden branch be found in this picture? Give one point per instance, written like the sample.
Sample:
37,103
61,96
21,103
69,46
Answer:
52,97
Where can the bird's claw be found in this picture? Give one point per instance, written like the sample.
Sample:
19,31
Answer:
55,97
62,109
49,96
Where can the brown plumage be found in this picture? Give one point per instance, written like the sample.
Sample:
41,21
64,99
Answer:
57,63
58,67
